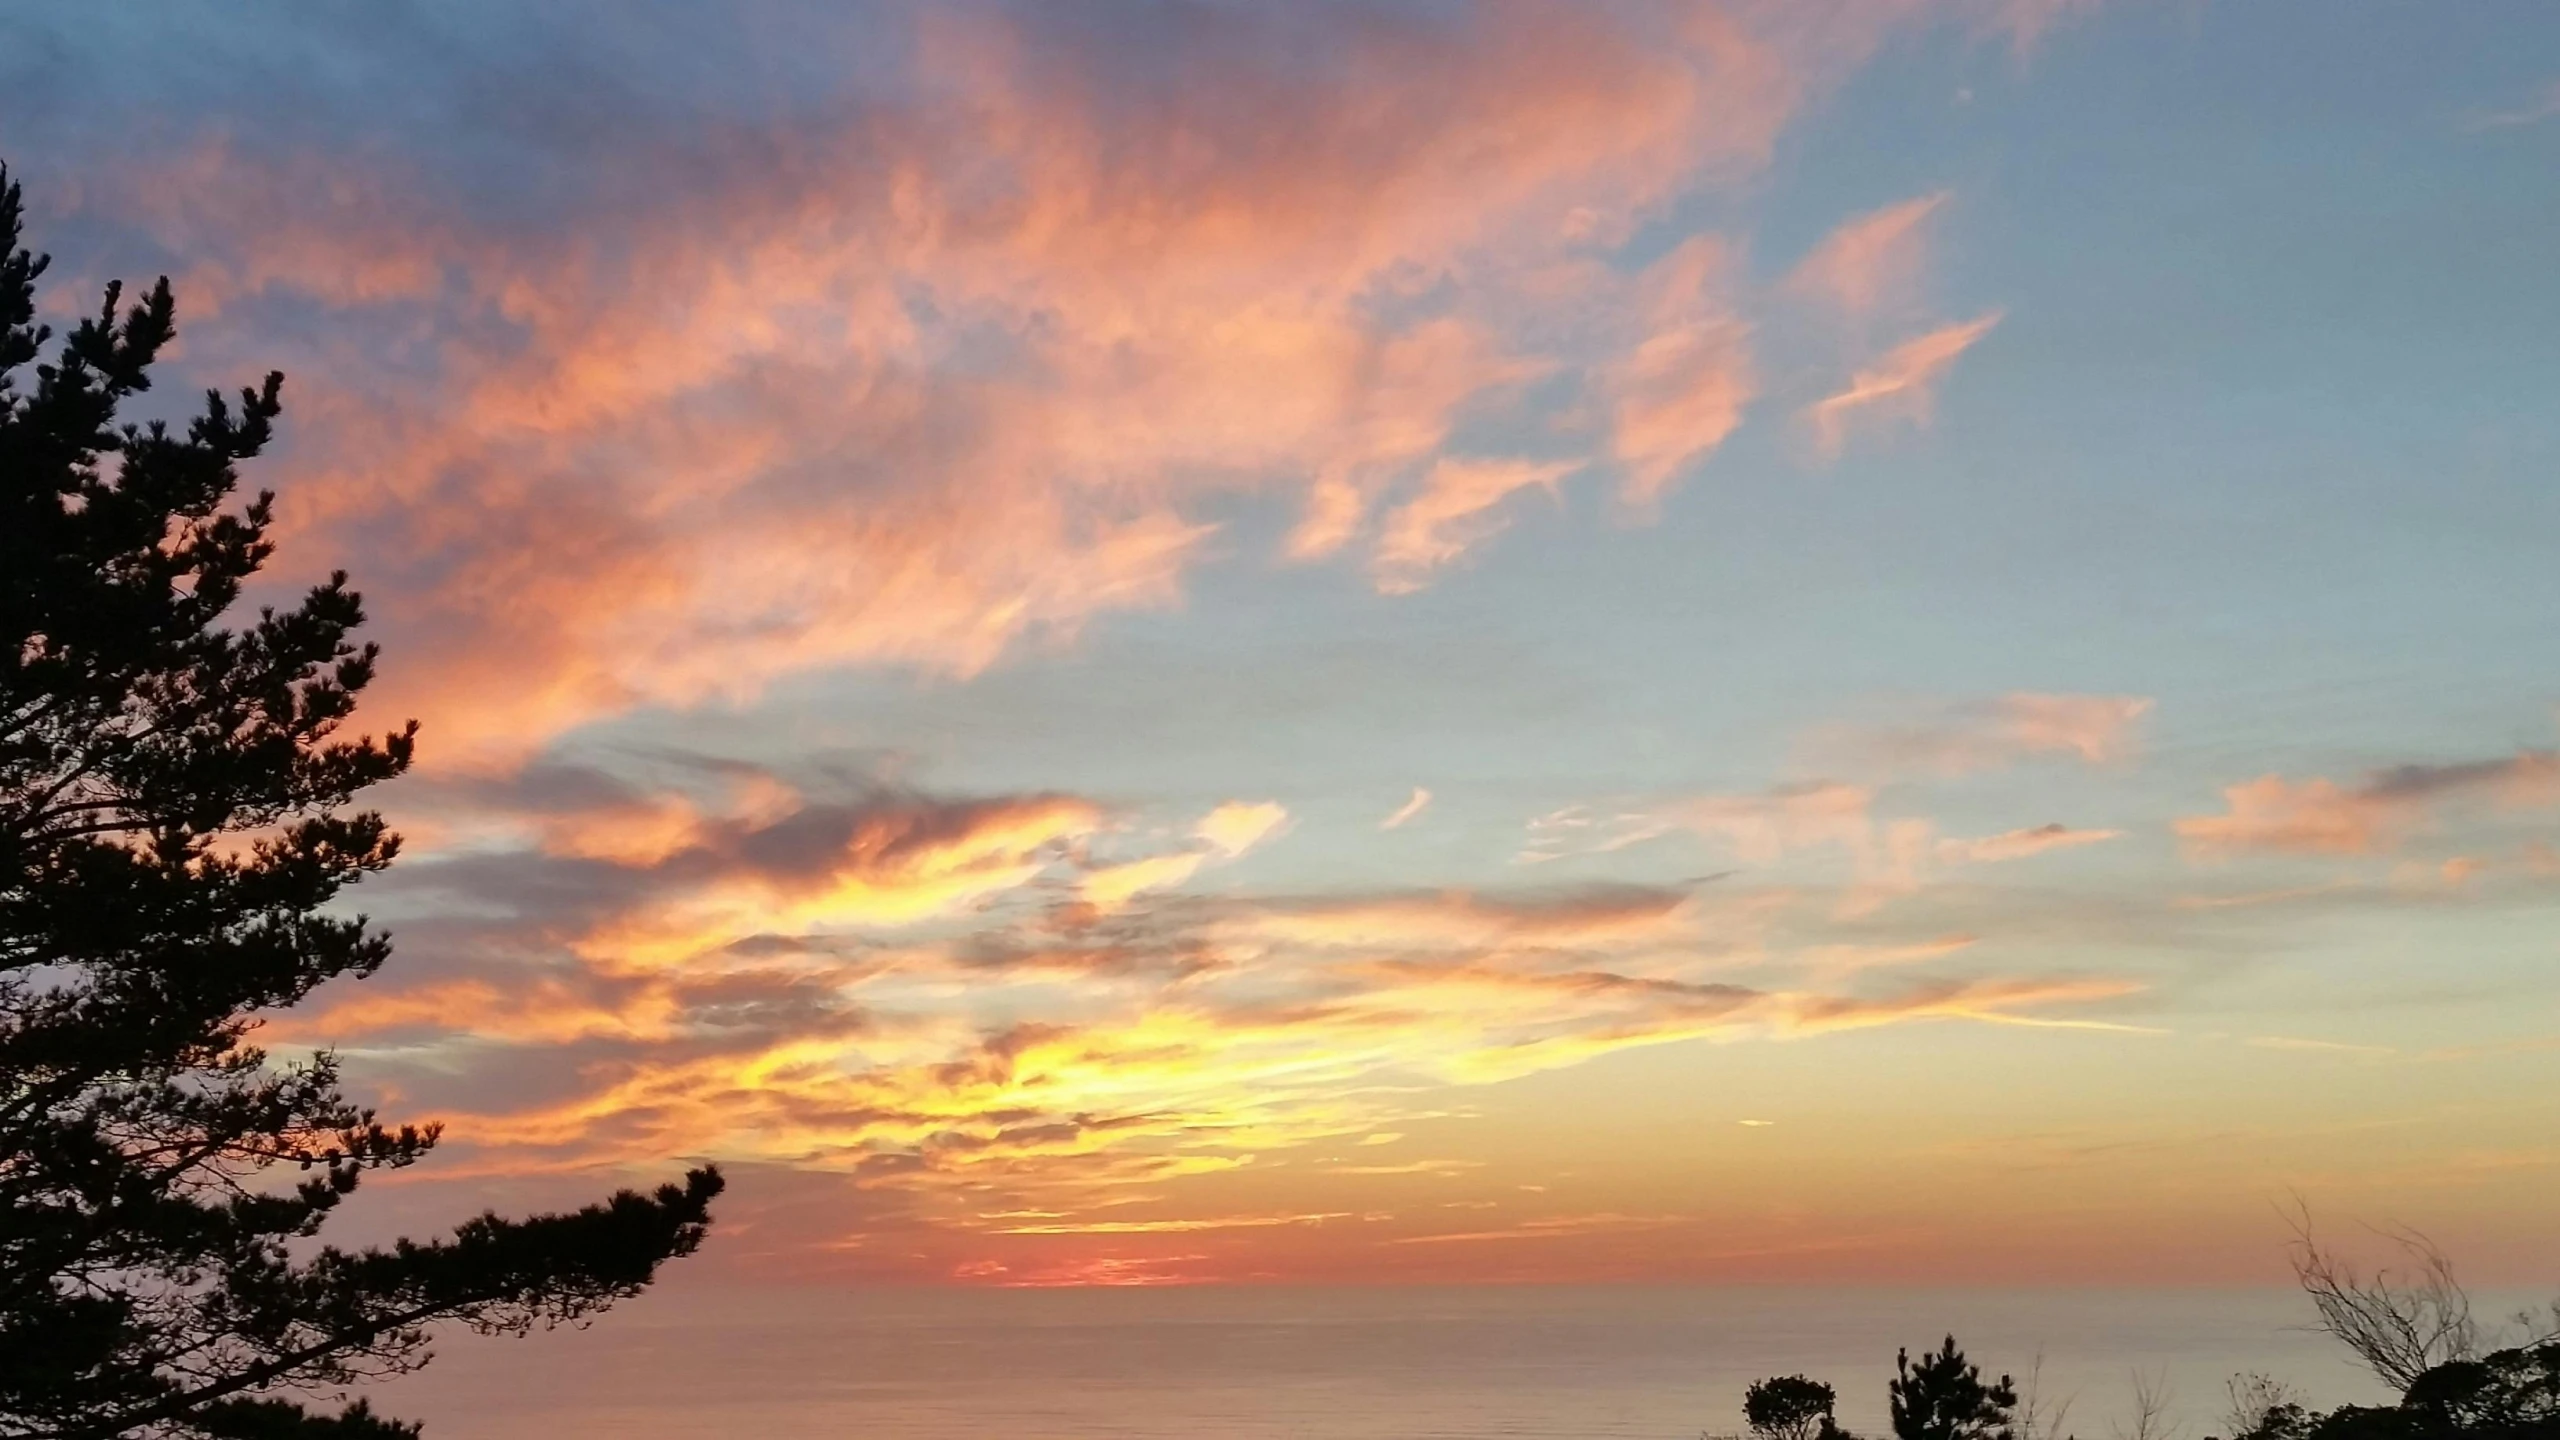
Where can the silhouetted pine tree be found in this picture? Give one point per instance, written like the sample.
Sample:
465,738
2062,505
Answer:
1943,1398
173,819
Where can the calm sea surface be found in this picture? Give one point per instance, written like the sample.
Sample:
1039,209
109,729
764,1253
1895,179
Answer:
1386,1364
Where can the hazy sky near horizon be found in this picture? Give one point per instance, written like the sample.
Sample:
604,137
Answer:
1129,642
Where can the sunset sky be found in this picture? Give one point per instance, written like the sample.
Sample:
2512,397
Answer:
1137,642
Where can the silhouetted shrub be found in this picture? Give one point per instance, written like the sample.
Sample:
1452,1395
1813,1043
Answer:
2283,1420
1788,1407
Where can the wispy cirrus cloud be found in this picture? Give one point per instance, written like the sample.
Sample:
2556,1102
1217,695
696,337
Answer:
2318,816
1971,736
1226,832
1456,508
1902,384
1888,857
2544,105
1683,387
1413,805
1872,263
2020,844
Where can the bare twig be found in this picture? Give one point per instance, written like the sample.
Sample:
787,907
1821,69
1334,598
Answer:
2255,1396
2151,1398
2041,1417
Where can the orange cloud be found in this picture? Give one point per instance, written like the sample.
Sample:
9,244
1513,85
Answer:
2097,728
895,387
1179,1089
1113,886
1872,262
1550,1227
1888,857
1988,735
645,830
1236,826
1765,828
1685,387
1421,798
1155,1072
542,1011
1095,1272
1461,920
1453,512
1171,1227
1229,831
1902,385
883,865
2020,844
2320,817
1991,1001
1830,962
2316,817
956,367
892,387
1408,396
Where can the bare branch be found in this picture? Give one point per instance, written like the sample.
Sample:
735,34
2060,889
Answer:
2041,1417
2401,1322
2255,1397
2151,1397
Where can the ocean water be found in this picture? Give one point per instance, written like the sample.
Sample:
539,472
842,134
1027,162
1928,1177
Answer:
1262,1363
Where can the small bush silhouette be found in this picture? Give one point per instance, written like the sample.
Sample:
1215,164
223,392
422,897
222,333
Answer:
1788,1407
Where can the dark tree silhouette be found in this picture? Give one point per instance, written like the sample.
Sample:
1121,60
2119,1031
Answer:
2515,1390
1788,1407
2511,1394
1943,1398
174,819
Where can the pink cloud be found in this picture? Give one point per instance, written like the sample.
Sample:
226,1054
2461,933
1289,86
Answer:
1962,738
1901,385
2321,817
1455,510
1685,386
2315,817
955,371
2020,844
1413,806
1763,828
2097,728
738,443
1871,263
